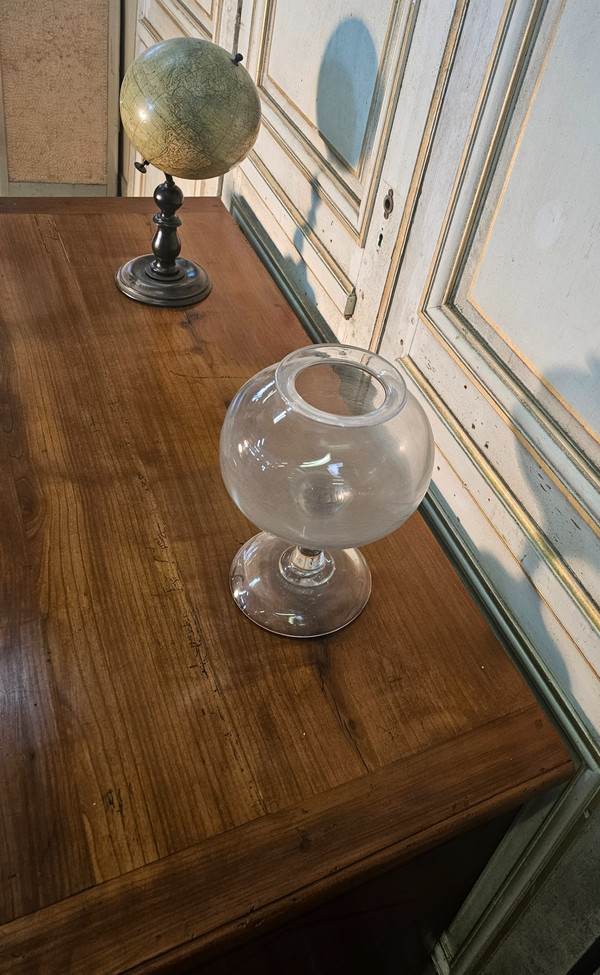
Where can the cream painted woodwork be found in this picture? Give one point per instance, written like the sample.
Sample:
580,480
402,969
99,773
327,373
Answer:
344,107
59,84
495,314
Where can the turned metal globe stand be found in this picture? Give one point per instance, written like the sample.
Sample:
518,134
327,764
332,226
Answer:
164,278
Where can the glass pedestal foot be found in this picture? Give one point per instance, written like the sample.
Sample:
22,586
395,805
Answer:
298,592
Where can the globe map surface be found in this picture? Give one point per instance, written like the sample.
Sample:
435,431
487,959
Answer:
189,109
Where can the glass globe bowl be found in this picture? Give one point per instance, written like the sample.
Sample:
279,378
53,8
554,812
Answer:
324,452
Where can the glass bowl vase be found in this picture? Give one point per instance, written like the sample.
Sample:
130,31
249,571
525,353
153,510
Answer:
325,451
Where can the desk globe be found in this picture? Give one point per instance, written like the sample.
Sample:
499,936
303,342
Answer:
325,451
193,111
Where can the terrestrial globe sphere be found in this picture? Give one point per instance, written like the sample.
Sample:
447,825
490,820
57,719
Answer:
189,108
325,451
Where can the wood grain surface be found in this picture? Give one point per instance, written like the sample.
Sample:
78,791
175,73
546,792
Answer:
170,773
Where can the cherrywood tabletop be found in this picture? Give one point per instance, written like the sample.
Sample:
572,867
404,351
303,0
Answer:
172,776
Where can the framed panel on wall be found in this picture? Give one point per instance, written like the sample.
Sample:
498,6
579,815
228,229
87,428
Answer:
59,94
345,90
494,314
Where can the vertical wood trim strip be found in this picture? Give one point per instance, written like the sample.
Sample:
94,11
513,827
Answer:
3,145
113,119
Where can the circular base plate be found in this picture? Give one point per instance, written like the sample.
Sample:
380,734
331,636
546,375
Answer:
266,597
190,285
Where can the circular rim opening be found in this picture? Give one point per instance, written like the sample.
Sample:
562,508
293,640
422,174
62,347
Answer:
393,384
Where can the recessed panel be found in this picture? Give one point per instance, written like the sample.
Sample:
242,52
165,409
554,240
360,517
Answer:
324,59
538,278
54,91
476,310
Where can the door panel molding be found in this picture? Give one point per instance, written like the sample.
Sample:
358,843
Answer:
535,484
345,213
302,133
517,872
175,17
300,224
553,408
313,322
526,543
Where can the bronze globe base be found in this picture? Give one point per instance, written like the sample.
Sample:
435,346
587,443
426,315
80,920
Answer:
164,278
187,285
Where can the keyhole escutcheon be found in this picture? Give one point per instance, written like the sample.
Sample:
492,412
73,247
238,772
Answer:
388,203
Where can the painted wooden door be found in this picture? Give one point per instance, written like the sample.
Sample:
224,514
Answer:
344,106
495,312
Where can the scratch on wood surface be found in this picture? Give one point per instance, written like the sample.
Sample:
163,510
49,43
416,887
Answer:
191,625
320,658
113,801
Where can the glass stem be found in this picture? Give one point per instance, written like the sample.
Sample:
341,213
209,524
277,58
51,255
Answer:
307,559
306,566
